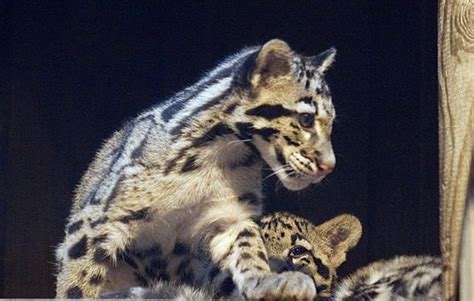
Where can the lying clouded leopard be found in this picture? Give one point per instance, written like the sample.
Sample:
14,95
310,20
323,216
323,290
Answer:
186,175
292,244
398,279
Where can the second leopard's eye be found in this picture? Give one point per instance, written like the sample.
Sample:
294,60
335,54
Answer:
298,251
306,120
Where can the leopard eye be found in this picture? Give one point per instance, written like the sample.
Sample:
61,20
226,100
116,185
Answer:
306,120
298,251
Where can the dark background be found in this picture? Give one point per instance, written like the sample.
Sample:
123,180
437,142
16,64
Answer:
74,72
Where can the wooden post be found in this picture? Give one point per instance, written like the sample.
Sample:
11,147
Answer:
456,84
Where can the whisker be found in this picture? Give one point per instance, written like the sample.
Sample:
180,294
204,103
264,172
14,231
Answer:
284,168
280,167
238,141
278,186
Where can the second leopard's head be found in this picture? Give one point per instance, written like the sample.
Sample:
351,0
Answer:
289,114
295,244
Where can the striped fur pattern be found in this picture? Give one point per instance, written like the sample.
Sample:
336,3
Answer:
184,177
400,278
292,243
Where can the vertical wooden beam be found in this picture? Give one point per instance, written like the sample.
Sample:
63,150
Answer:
466,281
456,84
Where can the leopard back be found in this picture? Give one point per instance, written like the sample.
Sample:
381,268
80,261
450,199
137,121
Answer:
398,278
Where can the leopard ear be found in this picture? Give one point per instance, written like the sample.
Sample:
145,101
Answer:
273,60
337,236
324,60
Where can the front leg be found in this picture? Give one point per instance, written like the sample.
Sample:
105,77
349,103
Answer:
237,248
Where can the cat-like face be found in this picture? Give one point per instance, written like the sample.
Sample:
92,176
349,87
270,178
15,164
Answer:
295,244
292,113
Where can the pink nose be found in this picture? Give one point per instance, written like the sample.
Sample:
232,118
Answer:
325,169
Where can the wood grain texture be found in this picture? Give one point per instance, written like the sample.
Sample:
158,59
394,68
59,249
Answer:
456,79
466,281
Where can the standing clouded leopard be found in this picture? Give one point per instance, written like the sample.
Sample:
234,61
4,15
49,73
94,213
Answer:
186,175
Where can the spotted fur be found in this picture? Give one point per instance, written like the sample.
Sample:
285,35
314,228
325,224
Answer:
400,278
292,244
187,172
161,290
295,244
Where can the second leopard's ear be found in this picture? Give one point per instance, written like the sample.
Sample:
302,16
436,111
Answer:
273,60
337,236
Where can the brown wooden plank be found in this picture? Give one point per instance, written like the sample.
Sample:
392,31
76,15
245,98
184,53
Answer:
456,81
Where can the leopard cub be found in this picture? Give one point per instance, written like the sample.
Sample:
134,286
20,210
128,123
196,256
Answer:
295,244
292,244
400,278
185,177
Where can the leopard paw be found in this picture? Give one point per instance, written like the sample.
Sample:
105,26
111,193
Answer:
287,286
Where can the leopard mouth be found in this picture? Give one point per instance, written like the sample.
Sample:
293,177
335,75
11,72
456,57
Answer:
292,180
295,171
300,173
305,168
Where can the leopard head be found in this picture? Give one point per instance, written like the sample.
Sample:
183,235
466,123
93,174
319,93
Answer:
289,113
295,244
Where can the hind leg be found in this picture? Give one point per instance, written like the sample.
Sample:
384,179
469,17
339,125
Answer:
85,259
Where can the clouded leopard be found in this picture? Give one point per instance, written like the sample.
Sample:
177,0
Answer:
292,244
398,279
185,176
